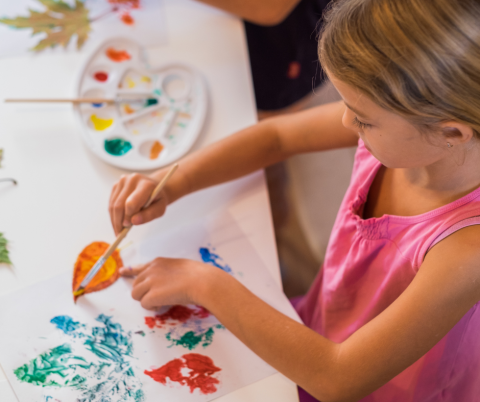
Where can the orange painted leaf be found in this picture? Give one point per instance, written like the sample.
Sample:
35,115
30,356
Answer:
107,275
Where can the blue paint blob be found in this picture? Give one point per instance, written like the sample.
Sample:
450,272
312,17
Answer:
97,104
211,258
66,324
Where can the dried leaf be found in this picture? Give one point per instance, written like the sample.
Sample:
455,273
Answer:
59,22
4,256
107,275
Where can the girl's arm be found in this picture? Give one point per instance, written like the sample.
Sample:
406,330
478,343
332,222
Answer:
262,12
254,148
445,288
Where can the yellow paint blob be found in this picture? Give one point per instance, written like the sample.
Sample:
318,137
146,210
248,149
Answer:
146,79
130,83
100,124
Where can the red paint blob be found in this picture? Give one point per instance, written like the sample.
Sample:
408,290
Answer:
200,375
117,55
177,313
101,76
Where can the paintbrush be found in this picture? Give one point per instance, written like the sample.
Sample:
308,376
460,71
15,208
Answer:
99,264
149,100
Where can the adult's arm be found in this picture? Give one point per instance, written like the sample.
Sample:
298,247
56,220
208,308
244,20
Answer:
261,12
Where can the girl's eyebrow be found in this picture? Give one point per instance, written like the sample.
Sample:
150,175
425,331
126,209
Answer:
356,111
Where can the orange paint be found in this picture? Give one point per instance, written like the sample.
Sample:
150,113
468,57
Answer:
127,19
107,275
155,150
117,55
128,109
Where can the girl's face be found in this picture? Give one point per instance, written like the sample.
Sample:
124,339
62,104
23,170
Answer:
389,137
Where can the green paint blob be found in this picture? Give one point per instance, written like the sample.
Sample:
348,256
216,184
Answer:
151,102
190,341
157,92
117,146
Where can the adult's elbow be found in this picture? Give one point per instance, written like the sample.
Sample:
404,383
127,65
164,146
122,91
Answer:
271,16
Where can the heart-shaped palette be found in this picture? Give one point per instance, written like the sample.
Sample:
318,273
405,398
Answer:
157,115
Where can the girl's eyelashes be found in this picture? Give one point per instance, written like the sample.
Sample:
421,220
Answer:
359,124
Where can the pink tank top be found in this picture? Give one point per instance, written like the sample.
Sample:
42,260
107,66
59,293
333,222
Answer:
369,263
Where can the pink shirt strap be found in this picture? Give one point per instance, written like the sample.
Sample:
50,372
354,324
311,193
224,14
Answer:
475,220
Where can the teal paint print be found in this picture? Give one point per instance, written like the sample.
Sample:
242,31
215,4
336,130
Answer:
96,363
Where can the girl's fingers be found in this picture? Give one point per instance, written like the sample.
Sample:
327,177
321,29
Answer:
132,271
154,211
137,199
119,203
149,301
139,290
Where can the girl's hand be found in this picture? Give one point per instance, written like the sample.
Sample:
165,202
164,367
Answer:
128,197
169,281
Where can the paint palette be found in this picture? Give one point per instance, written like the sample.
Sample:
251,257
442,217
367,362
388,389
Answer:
157,115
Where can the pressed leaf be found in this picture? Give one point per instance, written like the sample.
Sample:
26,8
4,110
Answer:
59,22
4,256
107,275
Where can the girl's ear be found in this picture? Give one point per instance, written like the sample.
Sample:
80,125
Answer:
456,133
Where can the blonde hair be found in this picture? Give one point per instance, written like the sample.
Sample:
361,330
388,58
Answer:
417,58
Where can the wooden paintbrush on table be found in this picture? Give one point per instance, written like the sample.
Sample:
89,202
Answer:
101,261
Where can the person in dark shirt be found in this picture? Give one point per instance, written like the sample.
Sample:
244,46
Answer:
282,43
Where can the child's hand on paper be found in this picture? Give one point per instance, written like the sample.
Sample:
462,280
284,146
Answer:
128,197
169,281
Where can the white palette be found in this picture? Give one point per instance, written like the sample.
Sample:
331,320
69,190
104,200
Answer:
158,114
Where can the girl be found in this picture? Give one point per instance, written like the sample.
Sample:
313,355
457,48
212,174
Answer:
393,314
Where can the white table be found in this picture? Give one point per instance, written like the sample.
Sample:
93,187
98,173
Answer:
60,204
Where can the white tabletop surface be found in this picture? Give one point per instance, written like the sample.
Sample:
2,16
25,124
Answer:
60,204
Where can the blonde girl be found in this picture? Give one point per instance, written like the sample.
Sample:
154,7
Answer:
393,315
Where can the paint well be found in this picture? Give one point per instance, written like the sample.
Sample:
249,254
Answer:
175,86
100,124
201,371
117,55
117,146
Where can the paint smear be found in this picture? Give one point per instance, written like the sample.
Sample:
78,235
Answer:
117,146
213,259
178,314
100,124
156,149
146,79
101,76
107,275
200,375
117,56
191,340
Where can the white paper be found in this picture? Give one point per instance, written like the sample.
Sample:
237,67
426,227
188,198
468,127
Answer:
147,24
27,333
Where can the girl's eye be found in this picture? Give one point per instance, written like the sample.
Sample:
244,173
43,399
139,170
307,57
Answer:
359,124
